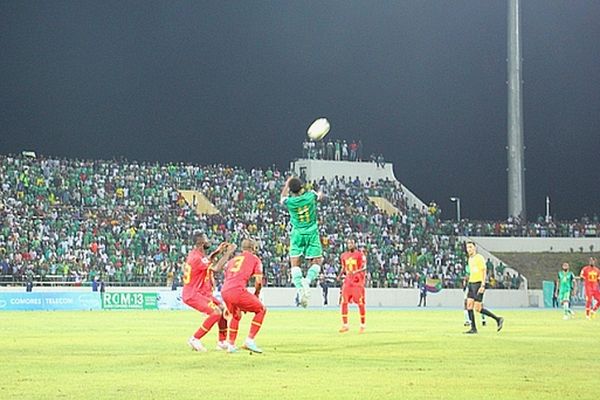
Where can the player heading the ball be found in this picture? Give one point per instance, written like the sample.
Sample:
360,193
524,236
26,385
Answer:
304,238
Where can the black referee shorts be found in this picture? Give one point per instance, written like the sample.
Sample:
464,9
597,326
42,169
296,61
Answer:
473,289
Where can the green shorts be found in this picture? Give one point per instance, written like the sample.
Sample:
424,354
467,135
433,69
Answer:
564,295
308,245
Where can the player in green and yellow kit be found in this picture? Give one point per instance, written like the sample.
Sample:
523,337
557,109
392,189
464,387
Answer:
565,286
304,237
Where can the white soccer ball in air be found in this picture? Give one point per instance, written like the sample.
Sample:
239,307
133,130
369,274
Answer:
318,129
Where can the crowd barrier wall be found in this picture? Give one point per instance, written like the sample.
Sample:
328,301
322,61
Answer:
16,299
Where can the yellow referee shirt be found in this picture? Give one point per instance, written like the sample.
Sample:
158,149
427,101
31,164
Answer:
476,268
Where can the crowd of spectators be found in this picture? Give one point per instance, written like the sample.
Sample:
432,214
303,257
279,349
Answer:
541,227
338,150
81,219
78,221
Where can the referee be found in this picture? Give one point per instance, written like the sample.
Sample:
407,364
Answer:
476,288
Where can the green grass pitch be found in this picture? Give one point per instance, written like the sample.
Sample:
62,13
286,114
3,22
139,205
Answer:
405,354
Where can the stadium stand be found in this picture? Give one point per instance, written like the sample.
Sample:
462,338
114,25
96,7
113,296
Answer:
67,221
584,227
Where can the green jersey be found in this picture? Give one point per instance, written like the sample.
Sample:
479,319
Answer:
566,280
303,212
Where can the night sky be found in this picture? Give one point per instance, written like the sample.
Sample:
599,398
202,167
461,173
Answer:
238,82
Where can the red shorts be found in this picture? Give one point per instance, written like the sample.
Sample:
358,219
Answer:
202,303
353,294
592,293
238,300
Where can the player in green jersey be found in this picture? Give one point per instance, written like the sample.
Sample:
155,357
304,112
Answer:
304,237
565,287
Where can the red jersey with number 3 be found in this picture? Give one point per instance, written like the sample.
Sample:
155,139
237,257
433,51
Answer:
353,261
591,276
240,269
195,273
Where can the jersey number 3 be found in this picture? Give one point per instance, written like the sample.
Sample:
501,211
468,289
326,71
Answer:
237,264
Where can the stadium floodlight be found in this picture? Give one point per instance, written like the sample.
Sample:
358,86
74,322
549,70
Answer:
457,201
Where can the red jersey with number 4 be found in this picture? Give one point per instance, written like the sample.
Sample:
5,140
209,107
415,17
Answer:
240,269
354,261
591,276
195,274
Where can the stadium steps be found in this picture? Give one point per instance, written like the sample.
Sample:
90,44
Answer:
384,205
538,267
199,201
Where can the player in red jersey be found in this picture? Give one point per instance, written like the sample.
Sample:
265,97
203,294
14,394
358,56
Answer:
198,284
238,271
591,276
354,265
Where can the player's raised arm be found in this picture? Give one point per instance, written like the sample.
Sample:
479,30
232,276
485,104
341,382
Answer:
285,191
225,257
222,247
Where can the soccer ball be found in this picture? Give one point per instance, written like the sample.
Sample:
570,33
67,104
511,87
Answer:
318,129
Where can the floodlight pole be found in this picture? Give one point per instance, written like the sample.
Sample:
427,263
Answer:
515,148
457,201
